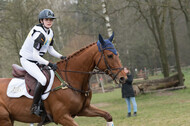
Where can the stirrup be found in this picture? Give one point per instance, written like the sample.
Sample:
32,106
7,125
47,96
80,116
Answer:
36,109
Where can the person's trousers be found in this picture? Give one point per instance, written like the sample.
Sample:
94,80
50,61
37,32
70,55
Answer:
132,99
33,70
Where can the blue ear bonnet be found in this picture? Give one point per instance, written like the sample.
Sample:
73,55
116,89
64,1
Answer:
108,45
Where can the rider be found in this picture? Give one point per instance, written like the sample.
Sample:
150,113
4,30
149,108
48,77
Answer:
38,42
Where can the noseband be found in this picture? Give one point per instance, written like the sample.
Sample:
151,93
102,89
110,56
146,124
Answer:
108,70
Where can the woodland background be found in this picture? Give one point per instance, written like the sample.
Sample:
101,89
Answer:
149,34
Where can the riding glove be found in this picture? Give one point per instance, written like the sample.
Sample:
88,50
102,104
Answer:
53,66
63,57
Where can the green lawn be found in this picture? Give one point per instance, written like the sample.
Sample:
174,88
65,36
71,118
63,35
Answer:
156,109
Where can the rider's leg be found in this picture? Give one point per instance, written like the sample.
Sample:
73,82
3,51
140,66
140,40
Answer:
34,71
35,109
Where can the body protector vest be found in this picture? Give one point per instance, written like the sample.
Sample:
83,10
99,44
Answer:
38,39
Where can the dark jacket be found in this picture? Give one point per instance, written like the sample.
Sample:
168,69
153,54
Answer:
127,89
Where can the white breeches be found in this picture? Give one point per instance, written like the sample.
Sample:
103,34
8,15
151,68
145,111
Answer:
33,70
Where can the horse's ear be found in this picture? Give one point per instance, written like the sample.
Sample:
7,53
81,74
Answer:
111,38
101,40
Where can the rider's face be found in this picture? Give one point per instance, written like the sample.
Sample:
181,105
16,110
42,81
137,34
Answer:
48,22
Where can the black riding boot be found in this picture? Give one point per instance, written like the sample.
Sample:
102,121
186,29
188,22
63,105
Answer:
35,109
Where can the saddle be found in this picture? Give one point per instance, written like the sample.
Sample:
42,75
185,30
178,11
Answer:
19,72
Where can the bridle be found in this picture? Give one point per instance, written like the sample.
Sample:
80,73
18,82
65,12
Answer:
108,71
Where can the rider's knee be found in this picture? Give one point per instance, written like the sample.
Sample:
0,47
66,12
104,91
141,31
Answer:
43,81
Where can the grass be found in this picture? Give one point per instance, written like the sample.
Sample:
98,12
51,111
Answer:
156,109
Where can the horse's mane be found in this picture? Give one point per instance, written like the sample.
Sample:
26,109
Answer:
77,52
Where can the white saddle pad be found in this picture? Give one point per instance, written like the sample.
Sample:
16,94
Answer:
17,88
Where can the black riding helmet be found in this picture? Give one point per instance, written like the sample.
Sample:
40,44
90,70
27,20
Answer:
46,13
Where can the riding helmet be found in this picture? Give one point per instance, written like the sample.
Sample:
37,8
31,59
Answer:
46,13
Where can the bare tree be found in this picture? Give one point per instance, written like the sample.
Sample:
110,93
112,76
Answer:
18,17
18,21
176,52
155,17
106,18
185,8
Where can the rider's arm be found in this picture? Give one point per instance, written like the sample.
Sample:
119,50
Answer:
53,52
39,39
38,58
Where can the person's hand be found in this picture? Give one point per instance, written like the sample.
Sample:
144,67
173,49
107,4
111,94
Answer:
53,66
63,57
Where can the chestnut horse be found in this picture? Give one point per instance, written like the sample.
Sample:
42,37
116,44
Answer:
64,104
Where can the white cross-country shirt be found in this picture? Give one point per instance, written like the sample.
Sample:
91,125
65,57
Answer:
37,43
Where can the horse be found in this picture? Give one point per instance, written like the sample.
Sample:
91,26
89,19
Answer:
64,104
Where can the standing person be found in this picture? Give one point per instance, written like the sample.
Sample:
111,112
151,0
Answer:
128,93
38,42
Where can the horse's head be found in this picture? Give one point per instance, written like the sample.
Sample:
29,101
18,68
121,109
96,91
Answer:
108,59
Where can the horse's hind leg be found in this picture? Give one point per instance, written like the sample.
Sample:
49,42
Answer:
4,117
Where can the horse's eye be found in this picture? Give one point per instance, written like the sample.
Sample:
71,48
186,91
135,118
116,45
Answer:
110,56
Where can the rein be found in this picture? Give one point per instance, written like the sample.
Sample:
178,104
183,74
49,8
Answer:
64,84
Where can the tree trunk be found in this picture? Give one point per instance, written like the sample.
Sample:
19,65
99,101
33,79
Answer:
156,23
184,9
106,18
152,85
175,47
162,44
188,27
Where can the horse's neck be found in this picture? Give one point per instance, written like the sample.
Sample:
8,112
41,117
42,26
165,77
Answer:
84,61
81,62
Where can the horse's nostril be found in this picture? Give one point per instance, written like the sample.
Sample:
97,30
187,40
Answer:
122,80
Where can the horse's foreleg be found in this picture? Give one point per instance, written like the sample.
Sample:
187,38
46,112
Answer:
4,117
92,111
67,120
